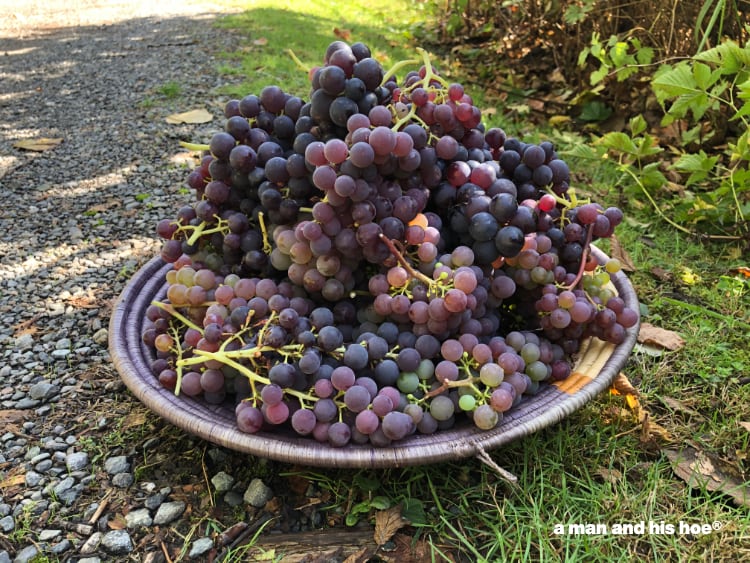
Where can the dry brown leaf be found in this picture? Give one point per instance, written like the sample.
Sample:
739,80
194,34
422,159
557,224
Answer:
362,556
11,415
39,144
661,274
700,469
343,34
653,335
387,523
678,406
617,251
622,385
192,116
260,41
745,425
609,475
651,430
12,481
117,523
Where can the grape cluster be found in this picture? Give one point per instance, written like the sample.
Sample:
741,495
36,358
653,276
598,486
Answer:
374,262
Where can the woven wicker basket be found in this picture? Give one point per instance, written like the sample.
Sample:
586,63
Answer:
593,373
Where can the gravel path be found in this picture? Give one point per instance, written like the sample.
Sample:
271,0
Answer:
77,221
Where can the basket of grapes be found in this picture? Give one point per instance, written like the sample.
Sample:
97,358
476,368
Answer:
373,278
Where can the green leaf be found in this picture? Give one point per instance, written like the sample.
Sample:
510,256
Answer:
637,125
673,82
644,55
702,75
413,511
619,54
380,502
598,75
652,177
595,110
698,165
620,142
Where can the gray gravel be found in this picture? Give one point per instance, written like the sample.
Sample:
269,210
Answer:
78,220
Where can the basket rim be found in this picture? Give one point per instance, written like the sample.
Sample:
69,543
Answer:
544,409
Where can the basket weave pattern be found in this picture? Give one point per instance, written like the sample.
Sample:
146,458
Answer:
598,363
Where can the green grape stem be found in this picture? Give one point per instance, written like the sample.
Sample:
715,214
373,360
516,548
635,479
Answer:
176,314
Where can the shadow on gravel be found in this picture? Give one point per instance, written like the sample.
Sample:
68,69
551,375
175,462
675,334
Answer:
78,220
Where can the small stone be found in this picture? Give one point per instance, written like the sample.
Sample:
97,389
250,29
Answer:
94,559
7,524
4,557
101,336
117,542
222,482
77,461
24,342
64,485
153,502
122,480
4,509
257,493
43,390
47,535
69,497
168,512
233,498
200,547
61,547
26,554
27,403
43,466
139,518
116,464
33,479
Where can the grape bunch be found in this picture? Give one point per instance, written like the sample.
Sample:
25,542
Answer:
374,262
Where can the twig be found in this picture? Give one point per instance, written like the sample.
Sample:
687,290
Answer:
485,458
208,482
102,507
164,550
247,532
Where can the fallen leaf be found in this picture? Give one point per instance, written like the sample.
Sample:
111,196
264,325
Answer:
622,385
12,481
655,336
387,523
617,251
117,523
611,476
11,415
700,469
745,425
38,145
260,41
651,430
192,116
661,274
741,270
678,406
362,556
343,34
559,120
689,277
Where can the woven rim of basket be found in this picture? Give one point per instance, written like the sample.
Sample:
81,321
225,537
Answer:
598,363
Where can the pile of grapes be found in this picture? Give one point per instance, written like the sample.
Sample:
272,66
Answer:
374,262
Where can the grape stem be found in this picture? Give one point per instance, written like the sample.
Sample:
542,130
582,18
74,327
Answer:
194,146
584,259
176,314
405,263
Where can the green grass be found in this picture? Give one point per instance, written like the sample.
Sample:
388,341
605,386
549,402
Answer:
271,29
593,467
